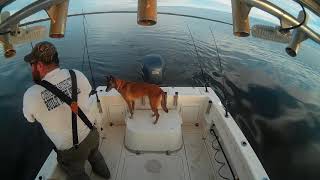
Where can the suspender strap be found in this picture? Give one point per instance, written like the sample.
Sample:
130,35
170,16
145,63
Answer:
63,97
74,108
72,102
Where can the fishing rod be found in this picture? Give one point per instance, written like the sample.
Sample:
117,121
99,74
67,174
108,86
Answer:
225,99
89,62
202,73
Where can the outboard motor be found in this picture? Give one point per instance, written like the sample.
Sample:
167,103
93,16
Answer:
153,68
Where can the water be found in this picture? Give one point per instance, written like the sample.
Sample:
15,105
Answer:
274,98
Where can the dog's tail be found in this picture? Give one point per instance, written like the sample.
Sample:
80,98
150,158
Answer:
164,102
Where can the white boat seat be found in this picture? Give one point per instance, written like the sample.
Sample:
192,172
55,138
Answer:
143,135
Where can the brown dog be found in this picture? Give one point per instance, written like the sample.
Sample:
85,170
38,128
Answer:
133,90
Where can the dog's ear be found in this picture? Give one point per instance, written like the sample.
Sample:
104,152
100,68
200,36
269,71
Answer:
107,78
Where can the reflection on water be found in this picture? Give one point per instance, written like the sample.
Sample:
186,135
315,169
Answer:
274,98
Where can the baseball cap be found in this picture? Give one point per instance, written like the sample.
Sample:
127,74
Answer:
43,51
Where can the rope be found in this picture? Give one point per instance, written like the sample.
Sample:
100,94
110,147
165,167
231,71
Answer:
212,132
221,163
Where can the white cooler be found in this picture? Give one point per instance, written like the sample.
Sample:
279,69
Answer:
143,135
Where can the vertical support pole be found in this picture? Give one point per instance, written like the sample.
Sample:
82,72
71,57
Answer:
58,15
240,16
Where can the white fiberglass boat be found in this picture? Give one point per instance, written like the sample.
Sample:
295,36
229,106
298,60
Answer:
197,139
193,141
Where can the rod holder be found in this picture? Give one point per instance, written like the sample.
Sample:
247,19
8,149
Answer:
147,12
58,14
297,37
143,102
9,50
175,99
209,107
226,109
99,106
27,11
4,15
240,13
166,98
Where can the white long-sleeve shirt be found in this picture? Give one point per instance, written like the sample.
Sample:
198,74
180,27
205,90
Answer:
54,115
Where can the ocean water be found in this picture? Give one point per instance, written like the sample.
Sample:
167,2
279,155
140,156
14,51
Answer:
274,98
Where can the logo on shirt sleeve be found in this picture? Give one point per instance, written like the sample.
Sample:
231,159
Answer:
52,101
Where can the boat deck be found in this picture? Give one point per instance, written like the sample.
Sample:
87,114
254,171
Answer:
198,157
195,160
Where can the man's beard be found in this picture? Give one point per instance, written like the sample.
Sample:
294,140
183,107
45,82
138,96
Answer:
36,76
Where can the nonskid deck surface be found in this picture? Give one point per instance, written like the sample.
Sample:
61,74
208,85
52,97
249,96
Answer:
194,161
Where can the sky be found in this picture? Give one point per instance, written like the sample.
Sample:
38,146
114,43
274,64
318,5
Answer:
76,6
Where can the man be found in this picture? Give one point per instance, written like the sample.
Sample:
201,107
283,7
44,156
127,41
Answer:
72,133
